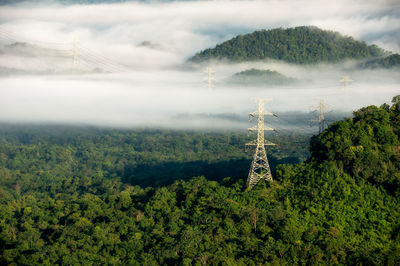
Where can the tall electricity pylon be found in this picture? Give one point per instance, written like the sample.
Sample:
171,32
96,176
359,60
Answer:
321,116
345,81
75,56
259,167
209,78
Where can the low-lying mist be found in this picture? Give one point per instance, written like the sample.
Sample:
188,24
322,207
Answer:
181,99
126,64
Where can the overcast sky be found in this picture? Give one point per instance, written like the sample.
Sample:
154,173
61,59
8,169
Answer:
179,29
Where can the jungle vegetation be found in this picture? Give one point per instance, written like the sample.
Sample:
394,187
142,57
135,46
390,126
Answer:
300,45
67,197
260,77
388,62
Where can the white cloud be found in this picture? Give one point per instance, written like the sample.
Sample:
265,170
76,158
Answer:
182,28
154,98
153,90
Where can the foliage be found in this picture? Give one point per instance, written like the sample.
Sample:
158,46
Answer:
365,146
260,77
57,209
302,45
139,157
396,99
391,61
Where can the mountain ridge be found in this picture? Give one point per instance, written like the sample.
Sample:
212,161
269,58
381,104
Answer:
260,77
301,45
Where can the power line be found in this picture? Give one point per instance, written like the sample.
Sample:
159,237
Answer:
101,59
20,38
98,61
80,55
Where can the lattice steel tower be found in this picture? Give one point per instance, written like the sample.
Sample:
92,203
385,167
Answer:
346,80
321,116
259,167
209,77
75,53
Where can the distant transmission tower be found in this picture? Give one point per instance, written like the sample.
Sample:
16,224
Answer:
321,116
346,80
75,56
259,167
209,78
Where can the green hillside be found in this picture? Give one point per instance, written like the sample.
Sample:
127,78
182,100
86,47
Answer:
62,202
302,45
260,77
366,147
389,62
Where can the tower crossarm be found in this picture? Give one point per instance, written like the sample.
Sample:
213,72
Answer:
209,78
346,79
266,143
255,128
256,113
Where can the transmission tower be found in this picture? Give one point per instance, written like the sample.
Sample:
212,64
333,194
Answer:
321,116
75,51
259,167
209,77
346,80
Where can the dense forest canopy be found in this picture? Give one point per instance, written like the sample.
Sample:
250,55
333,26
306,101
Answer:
302,45
145,157
389,62
60,205
260,77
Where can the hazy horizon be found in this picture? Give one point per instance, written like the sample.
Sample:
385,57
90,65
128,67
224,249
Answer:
139,52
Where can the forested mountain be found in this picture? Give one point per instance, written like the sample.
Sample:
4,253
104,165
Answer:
59,206
302,45
366,147
260,77
389,62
